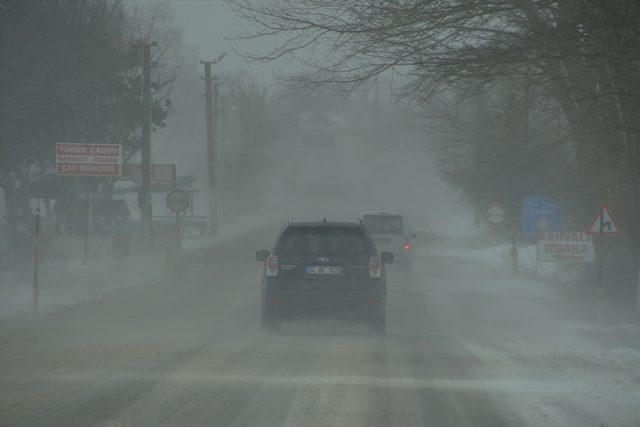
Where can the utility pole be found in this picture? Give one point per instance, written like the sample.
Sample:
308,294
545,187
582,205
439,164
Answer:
145,193
211,95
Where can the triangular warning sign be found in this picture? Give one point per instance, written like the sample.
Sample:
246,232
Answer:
603,223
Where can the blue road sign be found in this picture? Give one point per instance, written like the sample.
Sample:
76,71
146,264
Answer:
538,214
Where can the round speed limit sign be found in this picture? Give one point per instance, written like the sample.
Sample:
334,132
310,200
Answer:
495,214
178,200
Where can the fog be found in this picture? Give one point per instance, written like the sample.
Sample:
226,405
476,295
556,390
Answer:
368,214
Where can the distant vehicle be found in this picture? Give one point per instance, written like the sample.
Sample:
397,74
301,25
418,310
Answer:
390,232
324,269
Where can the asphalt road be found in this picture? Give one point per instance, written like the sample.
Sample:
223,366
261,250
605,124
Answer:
188,351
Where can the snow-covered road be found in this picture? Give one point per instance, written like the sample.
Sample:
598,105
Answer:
467,345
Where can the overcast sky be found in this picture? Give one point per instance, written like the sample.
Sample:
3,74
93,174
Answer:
205,23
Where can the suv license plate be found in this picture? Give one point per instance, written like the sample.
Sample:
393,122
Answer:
312,269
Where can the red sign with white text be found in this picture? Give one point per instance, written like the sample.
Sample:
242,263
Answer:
88,159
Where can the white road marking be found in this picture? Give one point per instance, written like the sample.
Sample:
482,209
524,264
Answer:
496,385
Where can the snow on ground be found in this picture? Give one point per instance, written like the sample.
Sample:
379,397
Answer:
231,230
499,257
66,284
528,334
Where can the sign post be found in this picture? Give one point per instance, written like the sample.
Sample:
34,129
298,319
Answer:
540,214
36,259
88,160
164,173
602,225
178,202
87,229
565,246
495,214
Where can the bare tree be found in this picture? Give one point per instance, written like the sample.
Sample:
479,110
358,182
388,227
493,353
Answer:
581,59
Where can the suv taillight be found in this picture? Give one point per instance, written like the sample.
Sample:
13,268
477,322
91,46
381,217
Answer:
406,246
375,266
271,264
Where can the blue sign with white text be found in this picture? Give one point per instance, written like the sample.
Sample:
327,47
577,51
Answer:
540,214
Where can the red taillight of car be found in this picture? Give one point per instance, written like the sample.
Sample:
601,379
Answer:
271,265
375,266
406,246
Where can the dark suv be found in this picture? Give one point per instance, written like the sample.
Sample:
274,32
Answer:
323,268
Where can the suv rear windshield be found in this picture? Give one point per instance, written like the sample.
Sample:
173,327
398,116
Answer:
303,240
383,224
